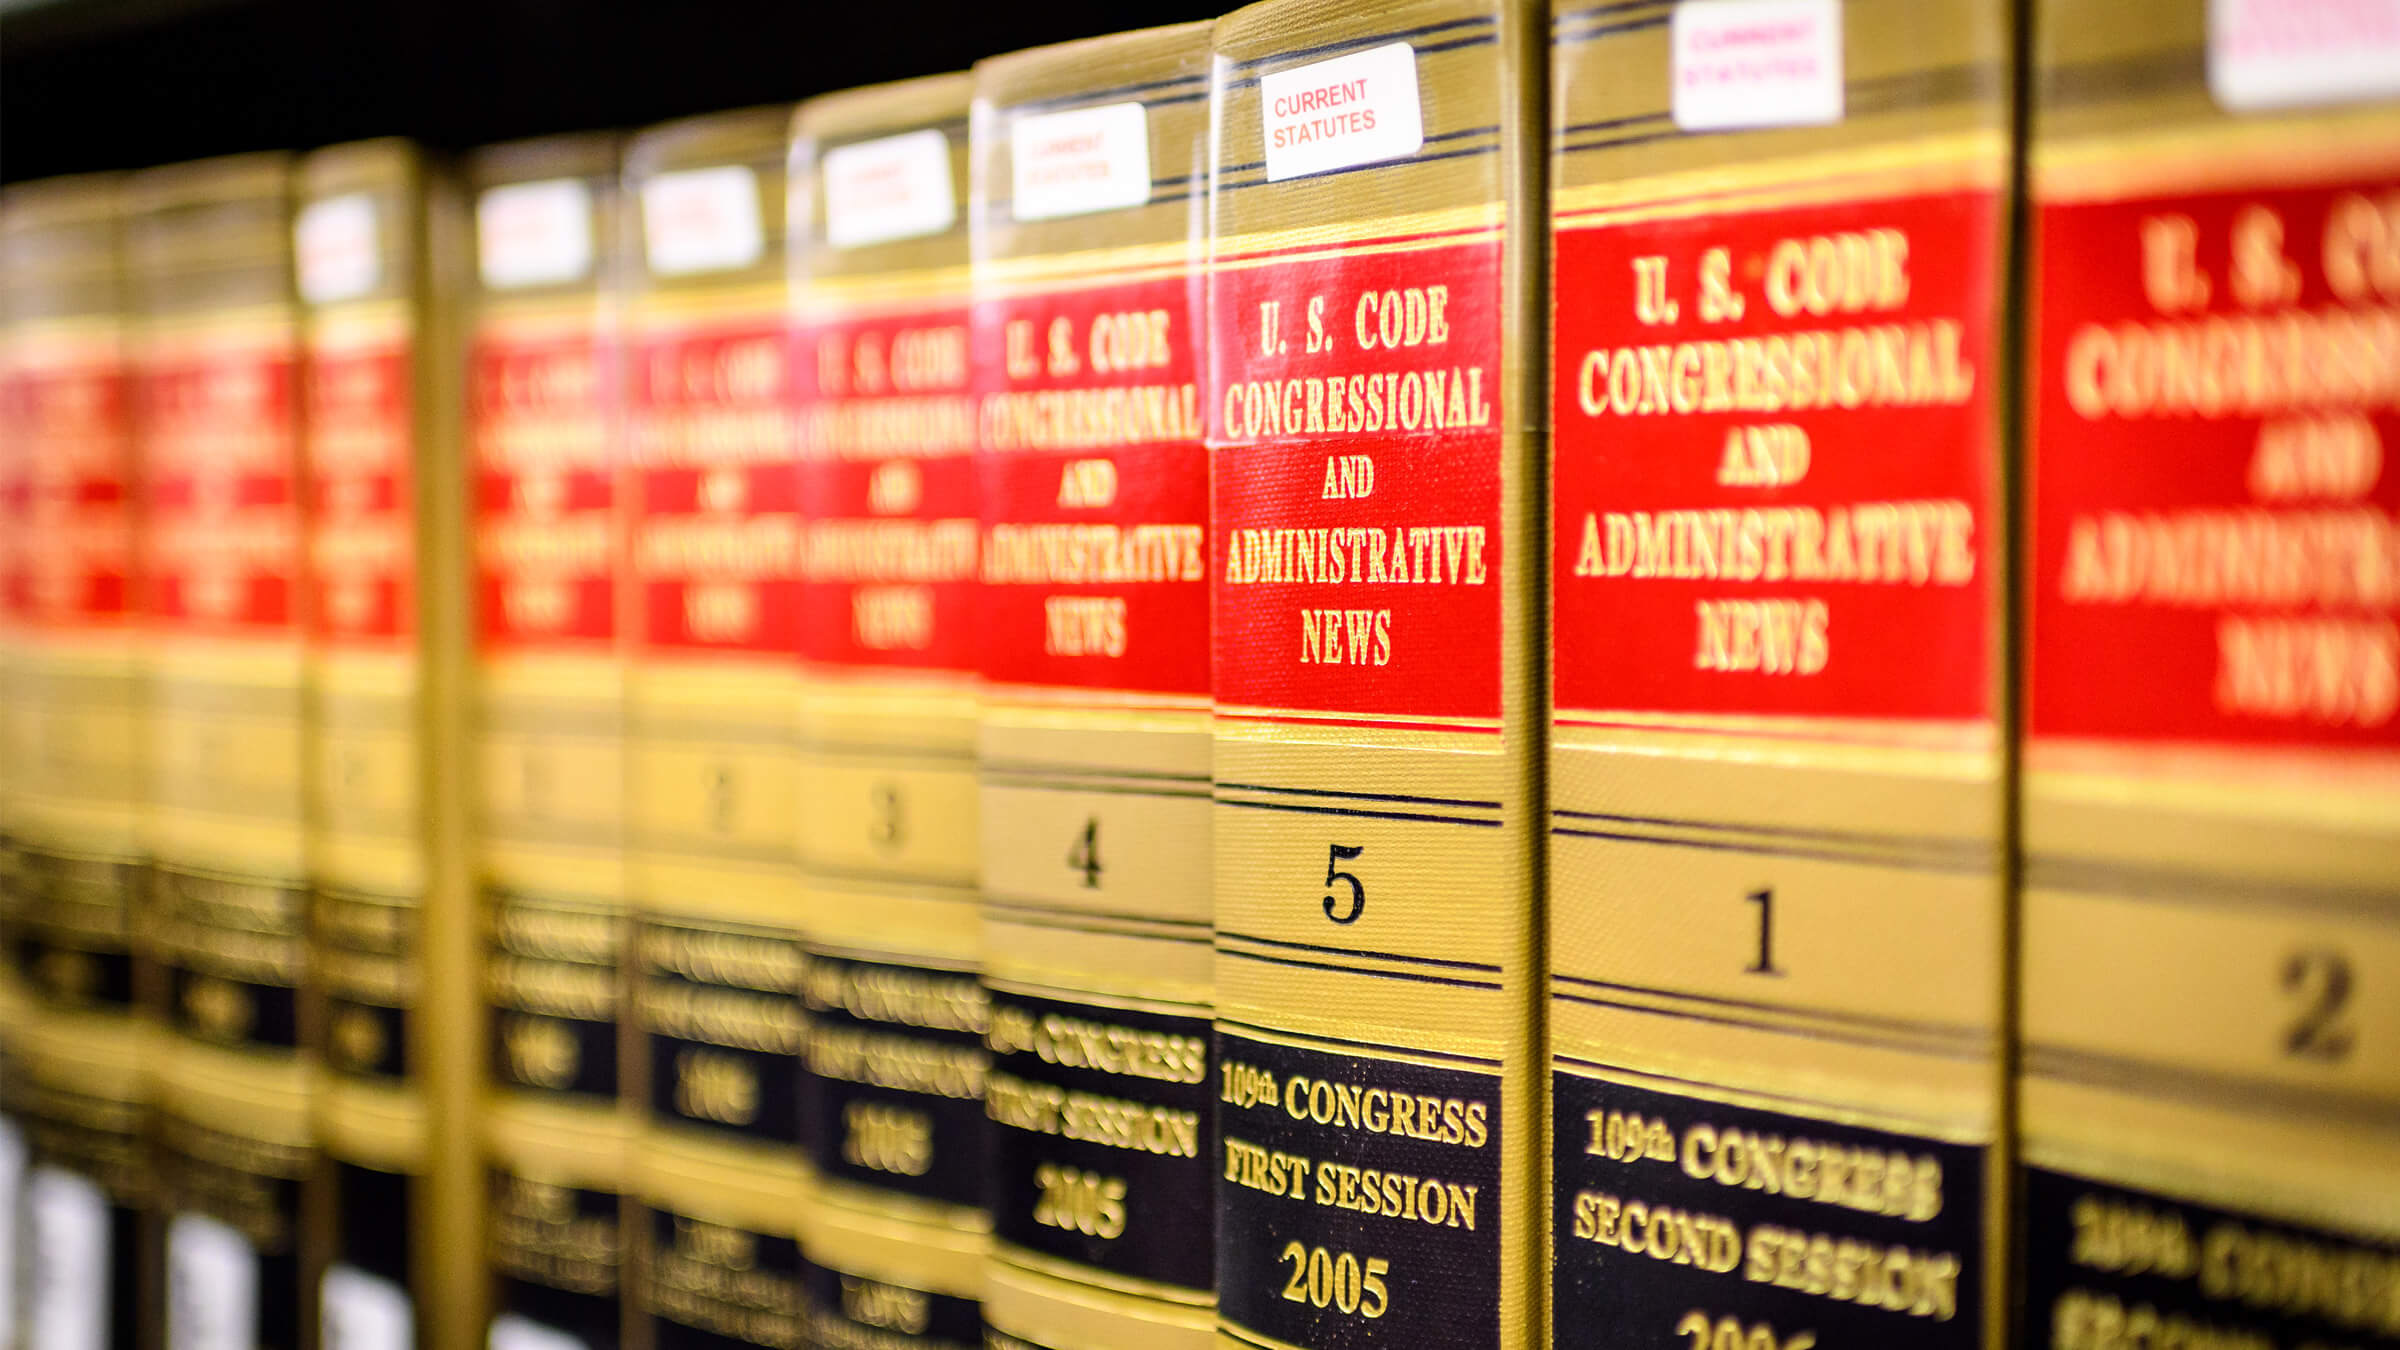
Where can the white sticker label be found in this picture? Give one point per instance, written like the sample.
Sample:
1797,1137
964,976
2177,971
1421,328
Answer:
894,188
67,1298
212,1286
334,242
2286,53
511,1332
1757,63
1071,163
534,234
1355,109
366,1312
702,220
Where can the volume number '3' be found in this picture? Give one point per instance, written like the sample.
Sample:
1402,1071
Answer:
1339,910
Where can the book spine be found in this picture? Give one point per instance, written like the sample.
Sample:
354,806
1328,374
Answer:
78,1082
896,1062
2210,1090
392,926
1778,942
218,382
545,451
1372,369
711,692
1094,747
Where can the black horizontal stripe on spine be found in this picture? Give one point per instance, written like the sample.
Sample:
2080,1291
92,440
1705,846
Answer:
1104,789
1304,809
1059,921
1910,864
832,952
1560,134
1373,40
1928,842
908,881
1359,796
1588,12
1560,38
1411,976
2168,886
1359,168
2206,1086
1359,951
1808,1105
870,750
1922,1046
1344,1042
1869,1020
1113,93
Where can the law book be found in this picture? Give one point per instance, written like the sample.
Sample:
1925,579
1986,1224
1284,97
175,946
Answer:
1778,928
896,1228
77,1078
2210,1083
378,251
217,383
544,450
711,695
1373,414
1093,753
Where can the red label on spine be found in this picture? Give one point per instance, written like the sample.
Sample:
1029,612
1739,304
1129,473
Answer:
1354,416
362,518
1775,461
887,483
2216,533
69,499
545,493
1094,489
716,544
220,489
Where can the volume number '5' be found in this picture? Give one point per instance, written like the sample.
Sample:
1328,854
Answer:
1337,908
1338,1280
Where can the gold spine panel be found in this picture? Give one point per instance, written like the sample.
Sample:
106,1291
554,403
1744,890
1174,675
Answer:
545,444
1093,754
887,840
1371,405
711,691
2208,1089
1779,919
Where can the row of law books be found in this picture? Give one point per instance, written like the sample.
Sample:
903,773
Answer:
1716,674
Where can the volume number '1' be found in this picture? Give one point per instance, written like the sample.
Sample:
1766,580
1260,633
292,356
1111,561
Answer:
1765,964
1338,1280
1335,877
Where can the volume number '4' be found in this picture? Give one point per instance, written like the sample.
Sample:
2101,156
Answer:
1084,857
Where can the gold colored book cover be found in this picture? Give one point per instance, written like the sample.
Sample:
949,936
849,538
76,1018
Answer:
1778,925
2210,1076
1089,162
1373,412
896,1229
712,693
217,382
544,454
378,244
77,1077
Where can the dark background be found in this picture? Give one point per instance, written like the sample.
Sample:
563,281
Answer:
120,84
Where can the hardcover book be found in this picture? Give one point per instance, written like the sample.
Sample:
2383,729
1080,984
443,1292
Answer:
378,251
711,691
1371,410
544,453
1778,925
217,385
896,1063
2210,1089
78,1076
1093,645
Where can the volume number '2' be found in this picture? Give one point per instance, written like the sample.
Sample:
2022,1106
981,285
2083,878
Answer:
1335,877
